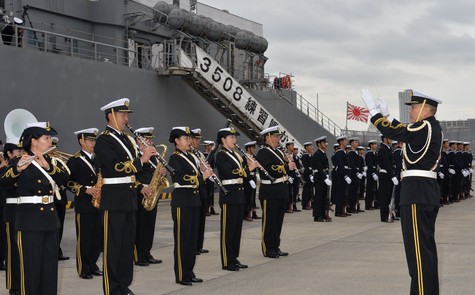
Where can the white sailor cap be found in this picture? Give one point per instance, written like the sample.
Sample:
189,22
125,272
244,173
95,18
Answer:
452,141
89,133
39,128
372,141
208,142
348,146
223,132
394,142
320,139
360,148
445,140
196,133
307,143
466,143
119,105
146,132
271,130
289,142
17,20
250,143
177,132
341,138
335,145
354,139
419,97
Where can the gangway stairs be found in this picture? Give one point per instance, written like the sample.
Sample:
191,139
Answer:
209,79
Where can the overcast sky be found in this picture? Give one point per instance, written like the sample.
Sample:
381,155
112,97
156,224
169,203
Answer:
336,47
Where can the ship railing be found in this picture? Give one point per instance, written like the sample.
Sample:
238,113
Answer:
78,47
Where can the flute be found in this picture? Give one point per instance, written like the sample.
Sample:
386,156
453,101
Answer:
251,158
31,158
213,176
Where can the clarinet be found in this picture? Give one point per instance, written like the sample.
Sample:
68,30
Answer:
213,176
157,156
296,171
251,158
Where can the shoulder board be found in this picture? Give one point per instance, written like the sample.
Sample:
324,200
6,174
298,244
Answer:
77,155
105,132
177,153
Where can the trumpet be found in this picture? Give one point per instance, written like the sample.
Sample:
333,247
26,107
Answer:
158,156
213,176
252,159
31,158
61,155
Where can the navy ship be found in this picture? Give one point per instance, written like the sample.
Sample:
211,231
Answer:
181,63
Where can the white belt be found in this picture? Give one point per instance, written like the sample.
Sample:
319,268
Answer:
35,199
383,171
277,180
11,200
232,181
420,173
119,180
177,185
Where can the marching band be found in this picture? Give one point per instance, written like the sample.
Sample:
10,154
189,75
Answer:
115,173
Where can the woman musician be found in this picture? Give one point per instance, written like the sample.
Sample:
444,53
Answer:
232,174
186,205
37,177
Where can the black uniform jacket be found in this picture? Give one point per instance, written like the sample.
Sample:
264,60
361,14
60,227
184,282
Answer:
114,162
320,163
83,175
32,182
416,156
397,156
386,160
273,161
186,174
8,192
307,165
230,166
371,159
340,164
353,162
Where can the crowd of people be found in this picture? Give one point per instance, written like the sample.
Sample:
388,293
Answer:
114,171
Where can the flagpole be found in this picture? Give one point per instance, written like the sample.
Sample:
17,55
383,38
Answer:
346,124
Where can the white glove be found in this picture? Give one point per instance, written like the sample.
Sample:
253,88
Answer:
383,106
291,180
311,178
252,183
365,168
364,174
395,181
465,173
375,177
347,179
328,181
471,171
359,175
451,171
441,175
370,101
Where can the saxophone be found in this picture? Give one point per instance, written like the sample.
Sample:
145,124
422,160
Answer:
157,185
96,202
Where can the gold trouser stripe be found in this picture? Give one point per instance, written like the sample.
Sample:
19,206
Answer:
264,223
9,256
136,254
106,234
223,236
178,221
22,266
415,229
78,243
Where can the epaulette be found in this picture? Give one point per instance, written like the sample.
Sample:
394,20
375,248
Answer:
105,132
77,155
177,153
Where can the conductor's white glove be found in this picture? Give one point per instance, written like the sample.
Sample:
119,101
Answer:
347,179
395,181
291,180
383,106
311,178
441,175
370,102
252,183
451,171
375,177
359,175
328,181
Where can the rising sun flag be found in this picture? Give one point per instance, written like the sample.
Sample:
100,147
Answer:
356,113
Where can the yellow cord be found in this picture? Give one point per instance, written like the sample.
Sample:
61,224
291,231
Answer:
420,111
115,121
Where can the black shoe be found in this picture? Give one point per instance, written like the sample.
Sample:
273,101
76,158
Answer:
97,273
14,292
184,283
152,260
319,219
238,264
297,210
141,263
360,210
348,214
196,280
231,268
203,251
280,253
86,277
272,255
254,216
2,266
129,292
62,257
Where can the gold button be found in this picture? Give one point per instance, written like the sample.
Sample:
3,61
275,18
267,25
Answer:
39,192
39,180
130,186
50,192
52,209
42,209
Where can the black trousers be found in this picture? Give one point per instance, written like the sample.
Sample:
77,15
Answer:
339,188
119,235
202,224
185,236
321,199
61,209
353,189
12,261
231,228
88,242
38,252
3,238
273,212
385,192
145,233
371,187
250,195
418,231
307,193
